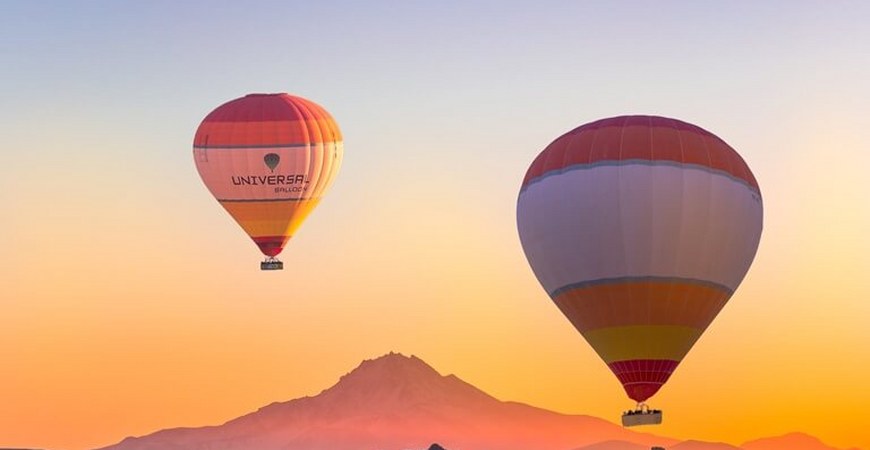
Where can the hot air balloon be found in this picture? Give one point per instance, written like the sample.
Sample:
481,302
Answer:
268,159
640,228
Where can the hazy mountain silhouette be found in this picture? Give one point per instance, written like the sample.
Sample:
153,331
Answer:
791,441
699,445
687,445
397,402
394,402
615,445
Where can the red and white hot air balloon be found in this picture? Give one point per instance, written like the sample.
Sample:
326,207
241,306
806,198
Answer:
268,159
640,228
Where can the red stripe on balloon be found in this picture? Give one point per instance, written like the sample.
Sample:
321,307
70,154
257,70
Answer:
649,138
642,378
263,120
271,245
259,108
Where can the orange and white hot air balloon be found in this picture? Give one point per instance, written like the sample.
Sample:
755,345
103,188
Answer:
640,228
268,159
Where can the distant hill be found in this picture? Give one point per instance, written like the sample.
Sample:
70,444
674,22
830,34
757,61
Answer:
791,441
615,445
397,402
698,445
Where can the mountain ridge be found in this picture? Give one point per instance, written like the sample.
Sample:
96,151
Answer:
398,402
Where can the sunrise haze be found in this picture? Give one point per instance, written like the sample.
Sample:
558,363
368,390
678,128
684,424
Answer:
132,303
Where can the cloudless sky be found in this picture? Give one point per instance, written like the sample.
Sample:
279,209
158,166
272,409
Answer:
131,302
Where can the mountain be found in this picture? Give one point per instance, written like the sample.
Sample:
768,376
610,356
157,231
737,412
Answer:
791,441
699,445
687,445
396,402
615,445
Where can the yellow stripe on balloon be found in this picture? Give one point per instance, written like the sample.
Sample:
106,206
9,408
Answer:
270,218
668,342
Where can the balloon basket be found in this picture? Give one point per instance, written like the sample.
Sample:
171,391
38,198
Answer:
271,264
641,415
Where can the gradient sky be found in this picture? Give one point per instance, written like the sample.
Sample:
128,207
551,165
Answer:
131,302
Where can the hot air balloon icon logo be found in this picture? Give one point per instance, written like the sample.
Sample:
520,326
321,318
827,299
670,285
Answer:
272,160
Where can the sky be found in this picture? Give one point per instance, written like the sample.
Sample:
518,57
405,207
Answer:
131,302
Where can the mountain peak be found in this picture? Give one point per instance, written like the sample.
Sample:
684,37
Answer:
392,366
395,360
396,378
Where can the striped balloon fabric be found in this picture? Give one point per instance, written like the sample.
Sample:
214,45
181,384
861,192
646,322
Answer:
268,159
640,228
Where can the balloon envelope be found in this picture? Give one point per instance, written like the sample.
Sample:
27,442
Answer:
639,228
268,159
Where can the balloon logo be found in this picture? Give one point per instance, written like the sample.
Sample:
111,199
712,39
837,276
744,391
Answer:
238,148
640,228
272,160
